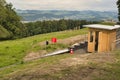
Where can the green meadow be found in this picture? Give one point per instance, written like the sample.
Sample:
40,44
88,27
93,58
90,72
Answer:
13,51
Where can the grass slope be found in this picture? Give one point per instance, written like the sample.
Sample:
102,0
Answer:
103,66
12,52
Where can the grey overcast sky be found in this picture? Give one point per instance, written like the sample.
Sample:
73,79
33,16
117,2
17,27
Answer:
99,5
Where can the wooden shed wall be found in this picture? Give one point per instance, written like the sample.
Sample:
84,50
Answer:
106,38
91,45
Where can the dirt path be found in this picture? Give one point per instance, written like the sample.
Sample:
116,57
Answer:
78,67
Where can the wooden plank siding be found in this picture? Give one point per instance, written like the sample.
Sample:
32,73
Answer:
105,40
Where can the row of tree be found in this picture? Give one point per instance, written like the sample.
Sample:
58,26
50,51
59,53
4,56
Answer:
41,27
118,5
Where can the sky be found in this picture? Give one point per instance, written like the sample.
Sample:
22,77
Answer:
98,5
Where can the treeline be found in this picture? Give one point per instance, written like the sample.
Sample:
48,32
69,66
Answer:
40,27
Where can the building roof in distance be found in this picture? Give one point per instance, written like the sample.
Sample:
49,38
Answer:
100,26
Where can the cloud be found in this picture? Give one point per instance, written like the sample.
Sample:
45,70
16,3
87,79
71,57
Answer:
65,4
98,0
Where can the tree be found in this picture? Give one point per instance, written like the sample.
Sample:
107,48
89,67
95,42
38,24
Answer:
118,4
11,21
62,25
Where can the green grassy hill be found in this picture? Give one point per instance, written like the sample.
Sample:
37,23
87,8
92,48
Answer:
104,66
13,51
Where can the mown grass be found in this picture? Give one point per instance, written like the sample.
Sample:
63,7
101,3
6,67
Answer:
113,70
13,51
108,71
17,69
49,48
95,71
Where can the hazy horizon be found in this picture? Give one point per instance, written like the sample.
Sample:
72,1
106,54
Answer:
68,10
68,5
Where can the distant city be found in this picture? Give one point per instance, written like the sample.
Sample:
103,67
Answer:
40,15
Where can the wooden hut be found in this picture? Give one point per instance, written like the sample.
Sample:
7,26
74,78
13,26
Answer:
101,37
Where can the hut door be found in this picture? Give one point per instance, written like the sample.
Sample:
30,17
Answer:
91,41
96,40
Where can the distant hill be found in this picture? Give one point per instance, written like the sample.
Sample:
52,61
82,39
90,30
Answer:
38,15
